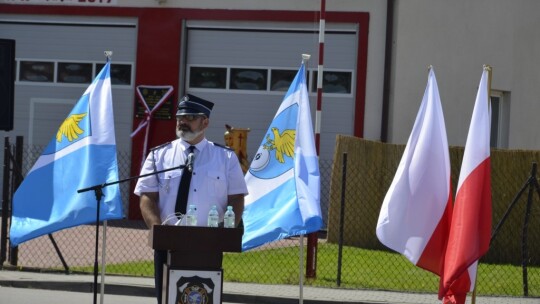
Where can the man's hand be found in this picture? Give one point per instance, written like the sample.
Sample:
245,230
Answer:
149,208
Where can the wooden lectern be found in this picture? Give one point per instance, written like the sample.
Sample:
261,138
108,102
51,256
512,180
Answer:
194,259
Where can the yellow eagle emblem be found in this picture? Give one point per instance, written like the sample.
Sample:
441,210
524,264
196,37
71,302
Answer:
283,143
70,128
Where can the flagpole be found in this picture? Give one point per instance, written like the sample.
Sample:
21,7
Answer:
99,195
305,58
301,271
488,69
103,243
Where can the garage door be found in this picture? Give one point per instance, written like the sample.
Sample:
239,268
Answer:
246,68
57,58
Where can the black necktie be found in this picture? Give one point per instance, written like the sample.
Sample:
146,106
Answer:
183,189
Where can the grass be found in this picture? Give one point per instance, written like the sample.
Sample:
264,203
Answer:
361,269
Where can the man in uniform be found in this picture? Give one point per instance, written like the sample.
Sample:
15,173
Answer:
216,176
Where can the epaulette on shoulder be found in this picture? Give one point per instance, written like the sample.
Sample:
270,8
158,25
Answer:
223,146
160,146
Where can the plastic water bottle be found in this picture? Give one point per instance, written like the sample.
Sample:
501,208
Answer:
213,217
228,218
191,216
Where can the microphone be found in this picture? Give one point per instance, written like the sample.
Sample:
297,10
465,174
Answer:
190,159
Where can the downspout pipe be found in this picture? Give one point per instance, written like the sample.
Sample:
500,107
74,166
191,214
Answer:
387,69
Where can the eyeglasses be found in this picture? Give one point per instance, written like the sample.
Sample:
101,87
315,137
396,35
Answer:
188,117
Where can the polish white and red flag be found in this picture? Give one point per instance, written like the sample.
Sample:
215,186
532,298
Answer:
470,231
416,213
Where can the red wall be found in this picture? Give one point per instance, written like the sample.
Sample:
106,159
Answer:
158,55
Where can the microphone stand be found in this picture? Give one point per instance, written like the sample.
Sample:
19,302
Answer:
98,190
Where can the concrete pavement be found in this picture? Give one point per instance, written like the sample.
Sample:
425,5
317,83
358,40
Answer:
10,295
232,292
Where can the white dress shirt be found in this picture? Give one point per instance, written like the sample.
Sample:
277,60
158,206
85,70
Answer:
216,174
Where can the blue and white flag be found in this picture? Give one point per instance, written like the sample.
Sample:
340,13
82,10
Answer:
80,155
283,179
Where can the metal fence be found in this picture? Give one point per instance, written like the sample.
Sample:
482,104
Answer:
337,265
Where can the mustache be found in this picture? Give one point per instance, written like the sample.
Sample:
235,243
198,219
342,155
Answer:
184,127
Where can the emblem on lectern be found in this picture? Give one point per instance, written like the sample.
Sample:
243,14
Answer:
194,290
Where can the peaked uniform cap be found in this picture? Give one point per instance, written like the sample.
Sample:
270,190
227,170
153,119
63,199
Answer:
193,105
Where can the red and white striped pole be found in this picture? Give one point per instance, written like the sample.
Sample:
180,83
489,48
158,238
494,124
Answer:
311,258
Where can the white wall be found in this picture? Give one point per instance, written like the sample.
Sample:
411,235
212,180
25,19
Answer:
457,38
